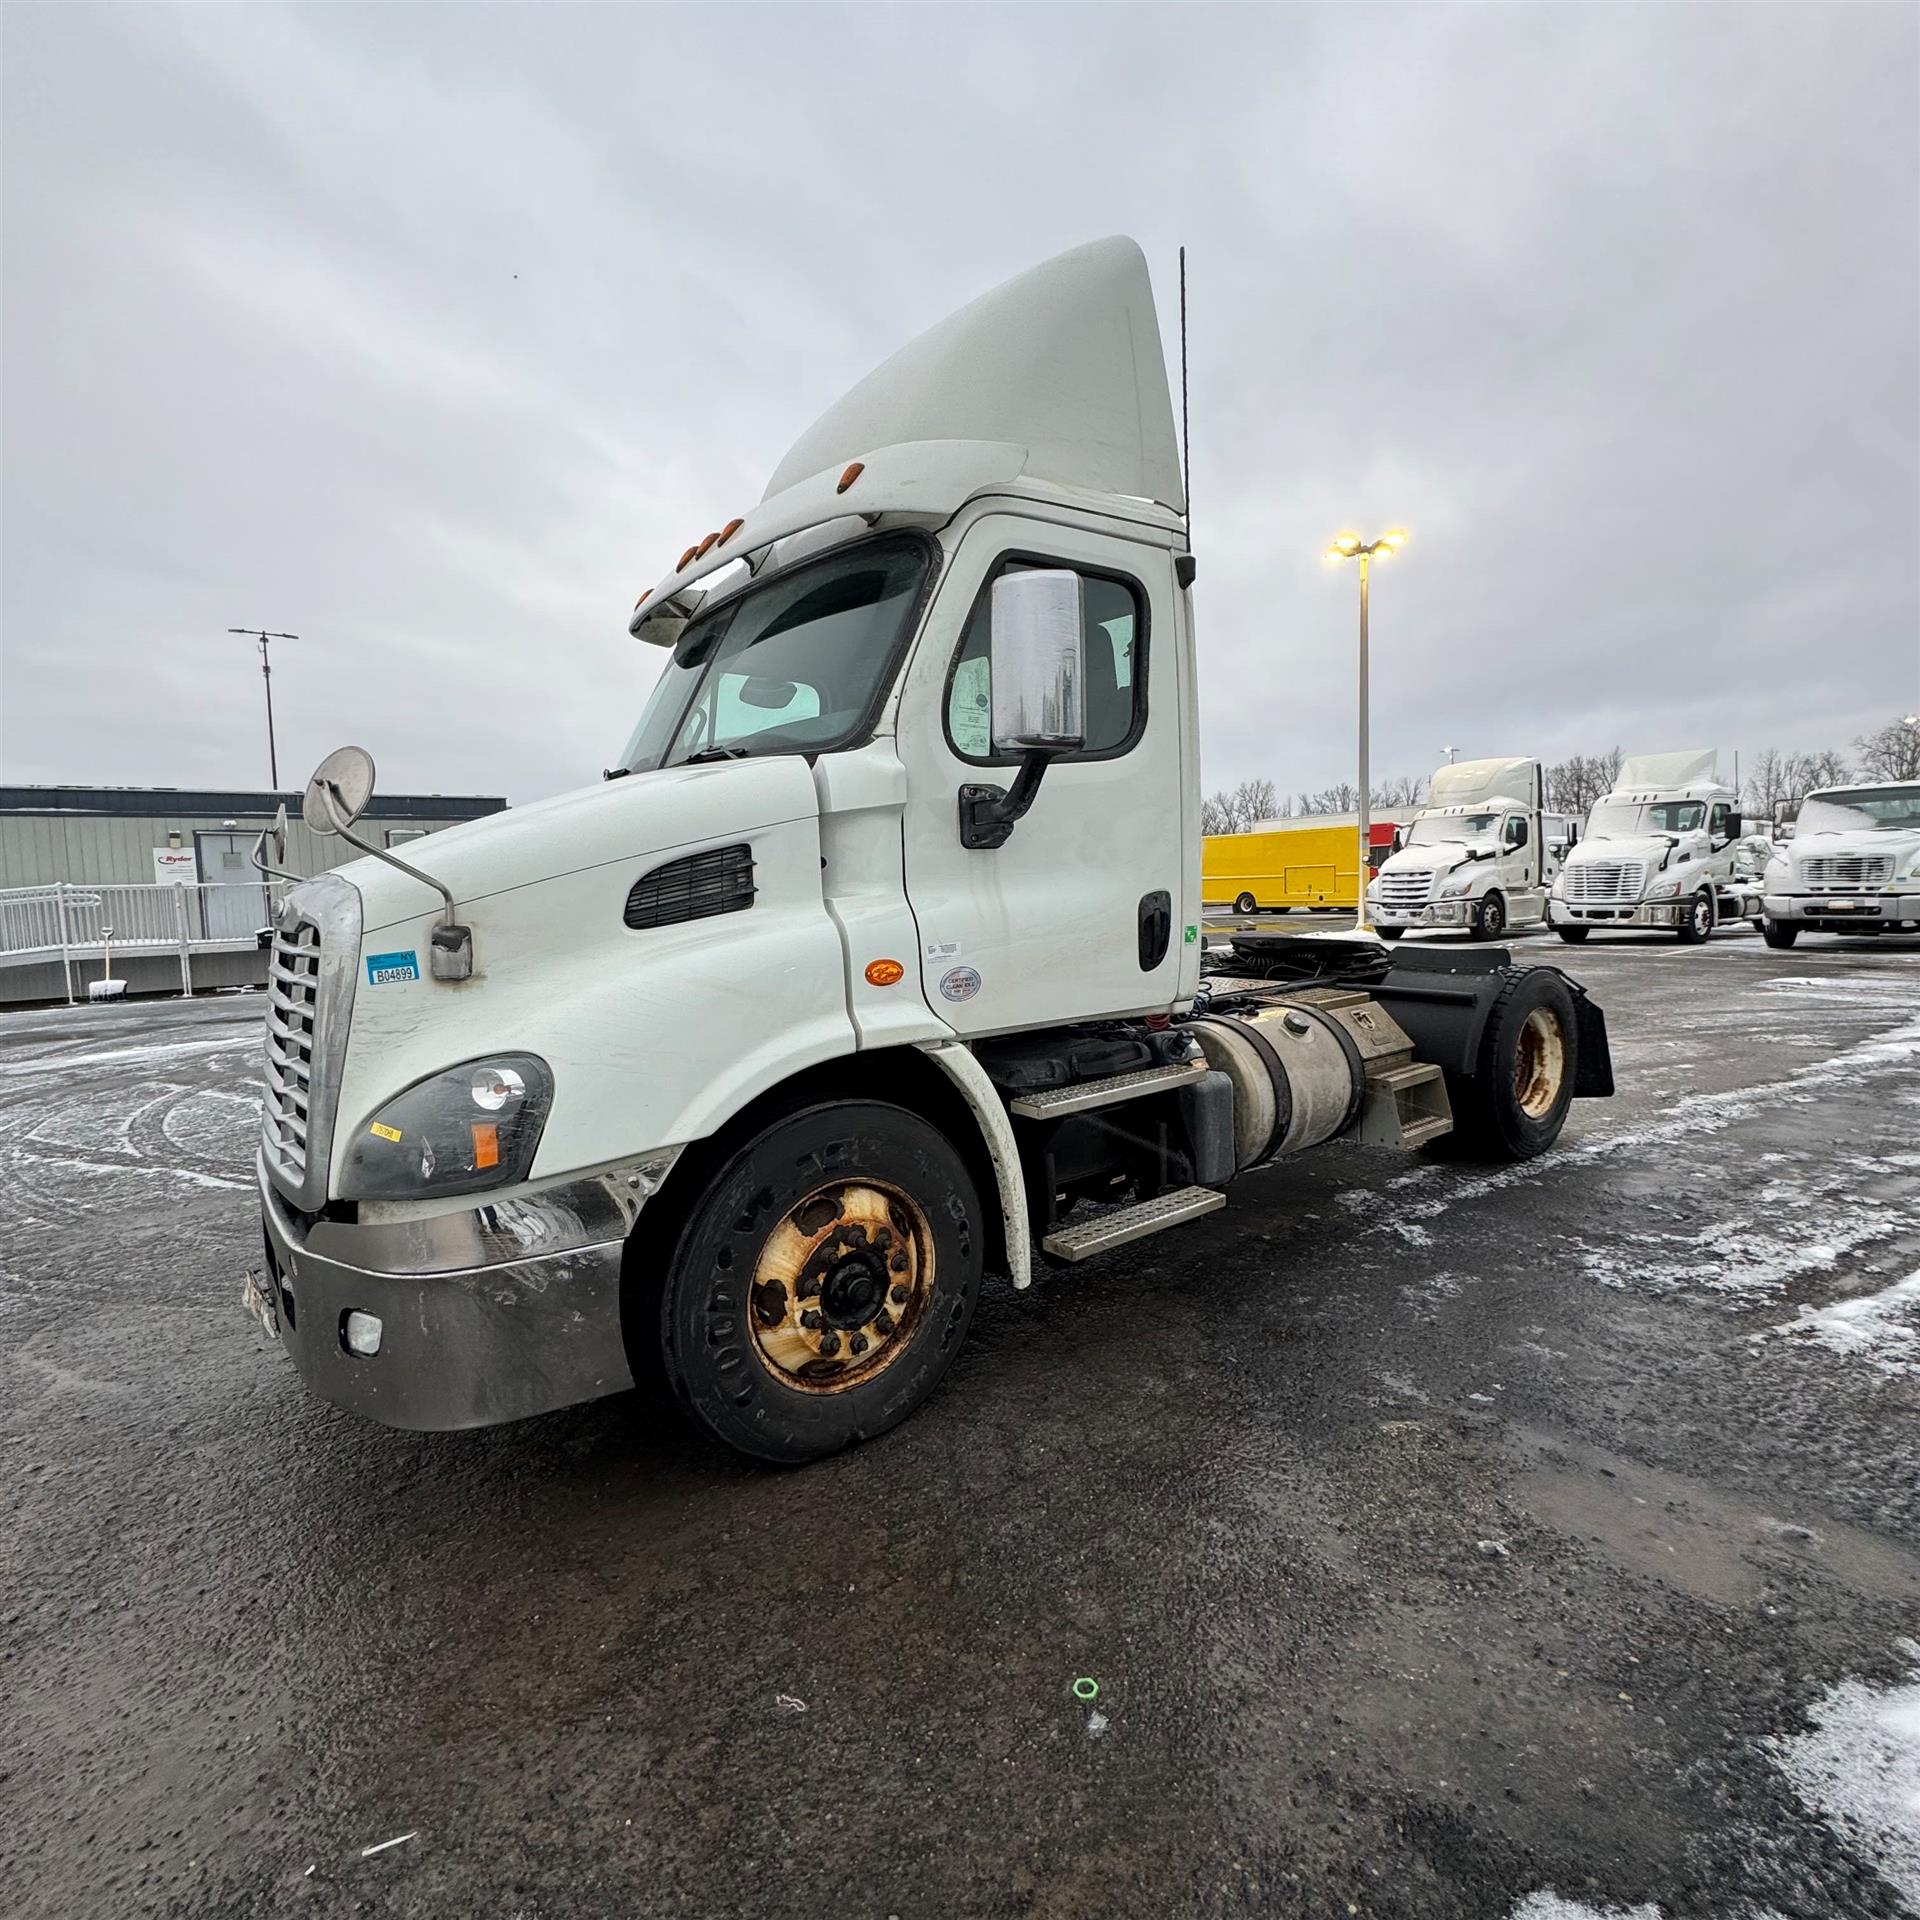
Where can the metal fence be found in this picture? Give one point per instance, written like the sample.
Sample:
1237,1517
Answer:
67,922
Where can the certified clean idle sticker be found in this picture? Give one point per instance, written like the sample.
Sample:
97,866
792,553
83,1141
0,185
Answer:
383,969
959,983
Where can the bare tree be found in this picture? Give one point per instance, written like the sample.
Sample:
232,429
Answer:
1216,814
1403,791
1891,752
1344,798
1827,769
1574,784
1254,800
1769,784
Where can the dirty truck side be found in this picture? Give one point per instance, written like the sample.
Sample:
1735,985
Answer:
873,964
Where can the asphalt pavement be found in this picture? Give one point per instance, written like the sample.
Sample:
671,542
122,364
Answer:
1514,1544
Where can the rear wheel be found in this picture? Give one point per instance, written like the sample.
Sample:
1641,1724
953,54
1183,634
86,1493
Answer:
1489,920
1515,1102
1573,935
1779,933
822,1282
1699,919
1246,903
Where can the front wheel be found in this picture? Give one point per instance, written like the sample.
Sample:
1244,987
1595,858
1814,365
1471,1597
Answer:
1246,903
1573,935
1779,934
822,1281
1699,921
1489,920
1389,933
1514,1103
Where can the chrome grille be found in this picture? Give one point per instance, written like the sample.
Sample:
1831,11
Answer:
293,1003
1604,883
1409,889
310,975
1827,873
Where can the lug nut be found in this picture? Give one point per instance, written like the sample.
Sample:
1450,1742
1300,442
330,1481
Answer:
882,1238
809,1287
899,1296
829,1344
899,1263
811,1318
883,1324
857,1344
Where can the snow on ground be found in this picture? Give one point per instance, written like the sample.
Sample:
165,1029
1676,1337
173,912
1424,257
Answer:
1881,1328
1859,1769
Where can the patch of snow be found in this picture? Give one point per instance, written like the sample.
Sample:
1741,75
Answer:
1553,1906
1859,1770
1881,1328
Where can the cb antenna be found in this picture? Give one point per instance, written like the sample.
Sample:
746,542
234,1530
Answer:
1186,445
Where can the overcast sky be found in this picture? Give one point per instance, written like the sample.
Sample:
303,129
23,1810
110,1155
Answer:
434,335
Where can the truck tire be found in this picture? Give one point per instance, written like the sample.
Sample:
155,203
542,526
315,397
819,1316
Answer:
1489,919
1514,1103
1700,921
1779,934
1246,903
1573,935
822,1281
1389,933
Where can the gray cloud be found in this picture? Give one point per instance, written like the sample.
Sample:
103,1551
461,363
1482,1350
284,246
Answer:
434,334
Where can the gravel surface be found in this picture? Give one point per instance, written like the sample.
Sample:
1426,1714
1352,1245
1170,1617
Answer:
1539,1542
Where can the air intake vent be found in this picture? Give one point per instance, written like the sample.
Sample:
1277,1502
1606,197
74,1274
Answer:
703,884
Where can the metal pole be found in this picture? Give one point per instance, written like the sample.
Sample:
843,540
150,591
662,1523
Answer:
66,951
1366,833
273,757
180,933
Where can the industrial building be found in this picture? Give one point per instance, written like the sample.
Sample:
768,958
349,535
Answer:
162,878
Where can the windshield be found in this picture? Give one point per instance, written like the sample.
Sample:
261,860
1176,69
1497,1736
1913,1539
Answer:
1851,809
1622,818
1433,828
794,666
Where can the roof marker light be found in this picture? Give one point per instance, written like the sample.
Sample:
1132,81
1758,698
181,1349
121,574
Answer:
853,473
700,552
680,564
642,601
730,529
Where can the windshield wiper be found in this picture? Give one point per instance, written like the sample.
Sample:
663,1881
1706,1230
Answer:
714,753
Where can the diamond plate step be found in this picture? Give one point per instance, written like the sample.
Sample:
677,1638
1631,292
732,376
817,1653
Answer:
1056,1102
1115,1229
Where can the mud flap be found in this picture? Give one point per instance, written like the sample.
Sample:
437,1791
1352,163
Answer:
1593,1071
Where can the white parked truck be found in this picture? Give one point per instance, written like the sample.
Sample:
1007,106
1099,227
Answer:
874,964
1661,850
1852,866
1478,857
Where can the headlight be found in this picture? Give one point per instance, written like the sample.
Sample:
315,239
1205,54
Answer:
1452,889
471,1127
1663,889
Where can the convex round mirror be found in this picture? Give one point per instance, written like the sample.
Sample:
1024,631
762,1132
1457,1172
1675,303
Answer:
338,793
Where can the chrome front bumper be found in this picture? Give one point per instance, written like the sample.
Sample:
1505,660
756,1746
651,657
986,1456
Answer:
1881,911
1644,913
1440,913
487,1314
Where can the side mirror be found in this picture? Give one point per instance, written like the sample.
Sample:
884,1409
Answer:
1039,663
338,793
270,850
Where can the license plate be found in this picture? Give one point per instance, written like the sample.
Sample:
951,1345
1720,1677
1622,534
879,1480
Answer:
1843,906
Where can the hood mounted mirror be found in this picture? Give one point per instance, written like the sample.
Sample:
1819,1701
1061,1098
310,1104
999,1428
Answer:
339,792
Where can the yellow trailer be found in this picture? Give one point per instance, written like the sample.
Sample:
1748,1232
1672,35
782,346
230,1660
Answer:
1312,862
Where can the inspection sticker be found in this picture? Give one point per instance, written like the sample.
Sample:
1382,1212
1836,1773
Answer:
383,969
384,1131
959,983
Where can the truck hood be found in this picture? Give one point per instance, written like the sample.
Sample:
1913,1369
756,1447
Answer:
1627,846
1872,843
616,822
1435,856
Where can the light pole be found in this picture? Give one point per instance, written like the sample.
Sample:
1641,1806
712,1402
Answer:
266,673
1449,752
1349,546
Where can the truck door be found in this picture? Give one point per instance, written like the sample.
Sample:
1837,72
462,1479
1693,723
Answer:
1520,861
1084,911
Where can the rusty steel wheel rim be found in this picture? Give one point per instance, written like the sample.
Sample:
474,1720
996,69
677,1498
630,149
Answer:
841,1285
1539,1064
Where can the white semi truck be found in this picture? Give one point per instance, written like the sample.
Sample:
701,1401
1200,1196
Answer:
1852,866
1478,858
1661,850
874,964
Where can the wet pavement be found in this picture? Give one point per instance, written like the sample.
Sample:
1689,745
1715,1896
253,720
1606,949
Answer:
1438,1539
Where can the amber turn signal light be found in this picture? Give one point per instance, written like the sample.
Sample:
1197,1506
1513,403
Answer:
852,474
885,973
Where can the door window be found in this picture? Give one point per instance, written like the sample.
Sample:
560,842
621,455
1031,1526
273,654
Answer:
1516,831
1113,634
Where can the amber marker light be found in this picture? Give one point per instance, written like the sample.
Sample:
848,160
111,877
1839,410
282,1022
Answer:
853,473
642,601
729,530
486,1144
706,546
885,973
